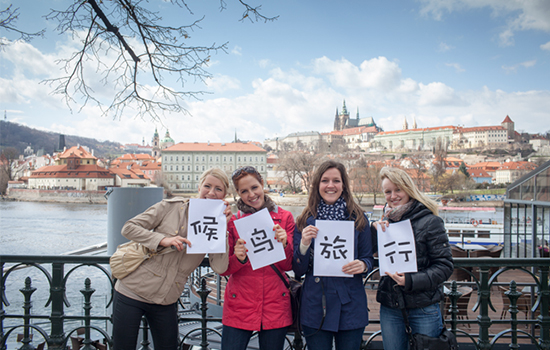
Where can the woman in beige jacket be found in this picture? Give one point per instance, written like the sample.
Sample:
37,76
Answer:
153,289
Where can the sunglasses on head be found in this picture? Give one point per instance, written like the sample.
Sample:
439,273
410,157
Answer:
246,169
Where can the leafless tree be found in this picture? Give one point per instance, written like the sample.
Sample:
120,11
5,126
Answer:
7,157
373,184
8,19
136,53
358,178
298,168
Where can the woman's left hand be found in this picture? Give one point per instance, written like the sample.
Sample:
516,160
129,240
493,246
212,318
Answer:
399,278
355,267
227,211
280,234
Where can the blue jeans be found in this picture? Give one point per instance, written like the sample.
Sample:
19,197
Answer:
162,319
322,340
425,320
237,339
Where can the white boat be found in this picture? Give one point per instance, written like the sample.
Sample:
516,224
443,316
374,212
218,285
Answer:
468,225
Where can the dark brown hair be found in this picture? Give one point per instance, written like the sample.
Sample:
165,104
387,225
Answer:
355,211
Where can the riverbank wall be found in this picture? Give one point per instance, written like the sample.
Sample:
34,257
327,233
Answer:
298,200
59,196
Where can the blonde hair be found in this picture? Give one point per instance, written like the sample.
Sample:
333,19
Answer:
401,179
218,174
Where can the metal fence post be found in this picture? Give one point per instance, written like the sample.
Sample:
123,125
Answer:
57,295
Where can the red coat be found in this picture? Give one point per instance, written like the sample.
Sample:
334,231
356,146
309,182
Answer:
258,299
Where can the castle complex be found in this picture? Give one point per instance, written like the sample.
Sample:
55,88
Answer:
364,134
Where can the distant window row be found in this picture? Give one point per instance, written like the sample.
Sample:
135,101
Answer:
211,158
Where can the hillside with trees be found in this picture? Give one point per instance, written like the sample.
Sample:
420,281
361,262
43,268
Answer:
20,136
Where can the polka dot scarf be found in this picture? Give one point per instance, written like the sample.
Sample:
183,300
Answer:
337,211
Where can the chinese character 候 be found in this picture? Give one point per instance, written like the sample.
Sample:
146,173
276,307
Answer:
211,232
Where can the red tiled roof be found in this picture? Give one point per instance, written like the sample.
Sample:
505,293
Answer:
507,120
478,173
61,171
76,151
214,147
518,166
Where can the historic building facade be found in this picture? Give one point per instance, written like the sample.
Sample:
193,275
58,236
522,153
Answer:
183,163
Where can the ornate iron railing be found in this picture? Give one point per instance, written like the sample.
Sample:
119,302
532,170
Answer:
50,320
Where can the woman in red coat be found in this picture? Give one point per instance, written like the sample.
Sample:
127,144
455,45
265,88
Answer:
256,300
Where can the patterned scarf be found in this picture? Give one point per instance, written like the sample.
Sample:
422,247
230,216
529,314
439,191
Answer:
247,209
337,211
395,214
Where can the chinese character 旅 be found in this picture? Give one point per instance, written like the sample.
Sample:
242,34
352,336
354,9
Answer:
163,229
342,317
256,300
421,290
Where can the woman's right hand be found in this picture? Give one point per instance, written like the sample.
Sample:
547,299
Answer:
177,242
382,224
240,250
308,234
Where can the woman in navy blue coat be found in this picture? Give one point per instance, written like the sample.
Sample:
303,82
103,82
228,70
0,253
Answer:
332,308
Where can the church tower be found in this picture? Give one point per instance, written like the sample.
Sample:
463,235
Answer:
508,124
341,118
405,124
414,123
155,152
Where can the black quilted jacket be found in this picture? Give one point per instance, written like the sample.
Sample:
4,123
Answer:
434,261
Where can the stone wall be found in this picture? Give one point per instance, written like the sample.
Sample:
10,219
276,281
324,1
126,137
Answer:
66,196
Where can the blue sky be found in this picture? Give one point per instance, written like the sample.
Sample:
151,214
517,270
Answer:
441,62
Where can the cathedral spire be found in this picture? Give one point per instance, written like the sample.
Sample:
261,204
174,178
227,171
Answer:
414,123
405,124
357,113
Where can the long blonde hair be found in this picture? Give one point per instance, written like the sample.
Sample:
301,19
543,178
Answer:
314,199
401,179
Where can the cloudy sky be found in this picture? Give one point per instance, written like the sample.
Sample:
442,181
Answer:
441,62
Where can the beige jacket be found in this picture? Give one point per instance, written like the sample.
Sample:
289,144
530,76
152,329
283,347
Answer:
161,280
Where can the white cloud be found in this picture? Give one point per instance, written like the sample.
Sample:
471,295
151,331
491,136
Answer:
520,14
545,46
377,73
514,68
237,50
264,63
456,66
221,83
443,47
438,94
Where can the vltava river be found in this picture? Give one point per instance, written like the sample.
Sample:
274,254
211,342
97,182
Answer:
37,228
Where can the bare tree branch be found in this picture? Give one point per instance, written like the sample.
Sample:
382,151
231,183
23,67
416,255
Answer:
8,17
134,55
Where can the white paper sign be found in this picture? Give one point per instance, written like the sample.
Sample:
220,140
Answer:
334,247
397,249
206,226
257,232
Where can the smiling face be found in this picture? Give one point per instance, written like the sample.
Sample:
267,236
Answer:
394,195
251,191
331,187
212,188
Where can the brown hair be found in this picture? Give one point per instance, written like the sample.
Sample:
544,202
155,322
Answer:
244,171
401,179
355,211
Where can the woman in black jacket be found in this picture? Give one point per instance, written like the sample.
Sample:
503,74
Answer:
422,291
